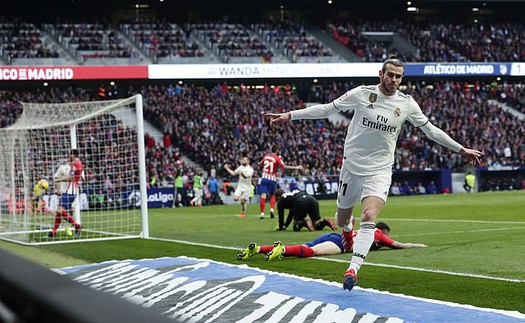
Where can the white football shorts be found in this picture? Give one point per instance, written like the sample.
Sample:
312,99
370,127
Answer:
354,188
242,192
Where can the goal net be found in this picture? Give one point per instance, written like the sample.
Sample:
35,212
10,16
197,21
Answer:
108,138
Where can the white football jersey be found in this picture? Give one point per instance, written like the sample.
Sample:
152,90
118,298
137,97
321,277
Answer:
62,172
245,176
372,134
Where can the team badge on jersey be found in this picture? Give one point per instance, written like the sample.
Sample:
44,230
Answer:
343,97
397,112
372,97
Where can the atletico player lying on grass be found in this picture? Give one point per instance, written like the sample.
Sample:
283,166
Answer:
326,244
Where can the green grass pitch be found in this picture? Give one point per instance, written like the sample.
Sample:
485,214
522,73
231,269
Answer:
470,237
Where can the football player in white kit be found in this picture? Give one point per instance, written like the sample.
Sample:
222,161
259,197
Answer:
379,112
244,187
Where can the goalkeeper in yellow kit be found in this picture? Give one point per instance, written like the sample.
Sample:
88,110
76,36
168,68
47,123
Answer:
36,202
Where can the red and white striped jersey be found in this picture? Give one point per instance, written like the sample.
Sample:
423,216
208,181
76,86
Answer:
270,162
73,172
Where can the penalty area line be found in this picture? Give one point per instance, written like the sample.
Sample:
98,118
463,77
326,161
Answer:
195,243
434,271
452,221
454,232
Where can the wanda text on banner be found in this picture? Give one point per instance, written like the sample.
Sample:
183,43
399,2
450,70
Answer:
254,71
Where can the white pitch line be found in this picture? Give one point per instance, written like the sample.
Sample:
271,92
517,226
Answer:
195,243
452,232
452,221
366,263
430,270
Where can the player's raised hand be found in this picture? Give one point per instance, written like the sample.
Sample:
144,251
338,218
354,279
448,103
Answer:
472,155
277,117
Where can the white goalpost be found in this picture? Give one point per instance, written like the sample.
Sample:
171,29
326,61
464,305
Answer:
108,137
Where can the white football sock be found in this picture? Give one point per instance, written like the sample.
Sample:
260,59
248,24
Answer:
350,226
362,243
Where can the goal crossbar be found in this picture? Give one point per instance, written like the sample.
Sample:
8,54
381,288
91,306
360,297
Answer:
31,121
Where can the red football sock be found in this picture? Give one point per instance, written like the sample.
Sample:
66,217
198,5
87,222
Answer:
272,201
58,219
299,251
262,203
265,249
69,219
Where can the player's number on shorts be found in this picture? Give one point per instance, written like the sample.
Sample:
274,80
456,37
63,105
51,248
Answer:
342,187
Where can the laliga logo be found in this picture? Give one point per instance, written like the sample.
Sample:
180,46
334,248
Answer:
160,197
134,198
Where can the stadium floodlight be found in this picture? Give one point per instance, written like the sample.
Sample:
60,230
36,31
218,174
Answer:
112,200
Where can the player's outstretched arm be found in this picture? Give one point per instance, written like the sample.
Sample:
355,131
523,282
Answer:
439,136
298,167
472,155
401,245
227,167
277,118
316,111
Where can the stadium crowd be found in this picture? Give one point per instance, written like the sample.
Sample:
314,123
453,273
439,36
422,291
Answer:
428,40
292,39
91,40
512,94
20,39
476,42
162,39
435,41
231,40
217,125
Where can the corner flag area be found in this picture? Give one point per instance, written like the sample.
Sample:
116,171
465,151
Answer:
201,290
